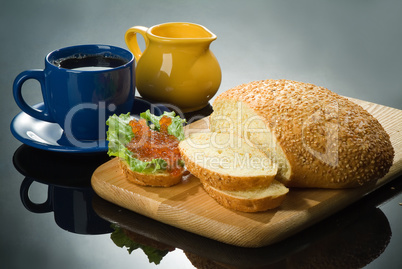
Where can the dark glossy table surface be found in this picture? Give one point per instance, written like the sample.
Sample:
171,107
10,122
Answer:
50,218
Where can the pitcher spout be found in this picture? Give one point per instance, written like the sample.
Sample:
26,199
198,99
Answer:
181,32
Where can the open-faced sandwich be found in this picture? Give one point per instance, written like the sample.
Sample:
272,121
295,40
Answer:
147,148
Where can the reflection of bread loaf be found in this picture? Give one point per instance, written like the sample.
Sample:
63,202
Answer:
318,138
352,246
348,240
156,180
236,174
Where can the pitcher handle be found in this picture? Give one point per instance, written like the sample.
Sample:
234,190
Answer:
131,40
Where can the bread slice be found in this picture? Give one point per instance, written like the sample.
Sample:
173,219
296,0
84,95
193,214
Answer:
252,200
226,162
154,180
316,137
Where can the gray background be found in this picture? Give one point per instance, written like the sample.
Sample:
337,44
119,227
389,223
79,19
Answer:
350,47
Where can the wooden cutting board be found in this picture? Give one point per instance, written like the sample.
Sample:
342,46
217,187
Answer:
189,207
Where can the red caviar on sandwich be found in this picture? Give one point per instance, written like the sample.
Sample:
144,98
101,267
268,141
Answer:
148,144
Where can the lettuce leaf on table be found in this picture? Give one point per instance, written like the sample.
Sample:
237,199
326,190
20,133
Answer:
122,240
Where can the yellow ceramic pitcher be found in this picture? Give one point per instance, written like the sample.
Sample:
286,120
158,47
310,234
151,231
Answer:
176,66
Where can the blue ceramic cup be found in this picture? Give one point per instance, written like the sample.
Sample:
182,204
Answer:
81,87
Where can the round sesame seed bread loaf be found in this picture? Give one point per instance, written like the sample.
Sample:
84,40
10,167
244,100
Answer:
226,162
154,180
316,137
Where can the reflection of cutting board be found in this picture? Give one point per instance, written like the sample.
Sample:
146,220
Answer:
188,206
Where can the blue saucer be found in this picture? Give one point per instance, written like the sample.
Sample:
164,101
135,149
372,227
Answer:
49,136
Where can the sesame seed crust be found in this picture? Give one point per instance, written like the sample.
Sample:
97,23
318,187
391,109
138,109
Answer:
329,141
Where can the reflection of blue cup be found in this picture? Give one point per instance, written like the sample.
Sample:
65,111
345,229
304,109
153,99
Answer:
81,86
72,208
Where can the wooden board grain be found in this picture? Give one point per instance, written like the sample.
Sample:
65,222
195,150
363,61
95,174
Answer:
189,207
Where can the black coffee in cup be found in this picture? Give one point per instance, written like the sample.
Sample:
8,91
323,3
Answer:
90,62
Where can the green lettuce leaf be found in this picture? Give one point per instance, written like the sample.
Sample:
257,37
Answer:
122,240
176,128
154,166
119,134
